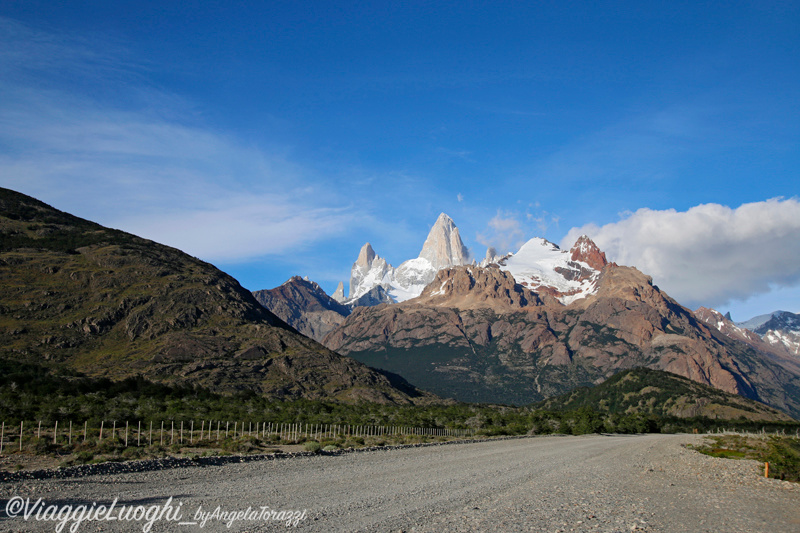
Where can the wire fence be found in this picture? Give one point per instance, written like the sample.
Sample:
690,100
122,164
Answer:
139,434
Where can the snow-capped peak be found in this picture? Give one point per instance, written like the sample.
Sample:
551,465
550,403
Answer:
369,270
443,248
780,328
783,320
539,265
778,332
544,267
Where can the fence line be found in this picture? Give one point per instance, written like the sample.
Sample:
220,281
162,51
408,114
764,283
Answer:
270,431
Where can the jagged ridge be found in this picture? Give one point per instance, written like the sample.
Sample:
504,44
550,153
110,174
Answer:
471,336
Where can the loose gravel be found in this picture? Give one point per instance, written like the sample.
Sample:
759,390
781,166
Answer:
588,483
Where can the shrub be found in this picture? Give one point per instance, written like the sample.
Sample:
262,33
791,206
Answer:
84,457
783,456
312,446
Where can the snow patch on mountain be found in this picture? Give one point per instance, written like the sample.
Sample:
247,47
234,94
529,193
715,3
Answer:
789,339
543,267
411,277
779,330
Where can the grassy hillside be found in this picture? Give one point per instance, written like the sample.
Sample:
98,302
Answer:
654,392
109,304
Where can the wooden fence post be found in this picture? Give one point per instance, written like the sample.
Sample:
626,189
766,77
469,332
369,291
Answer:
101,431
20,436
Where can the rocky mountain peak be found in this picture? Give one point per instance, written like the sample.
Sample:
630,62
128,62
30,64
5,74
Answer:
304,305
303,280
780,330
338,295
374,281
780,320
443,247
366,256
473,287
586,250
777,342
368,271
542,266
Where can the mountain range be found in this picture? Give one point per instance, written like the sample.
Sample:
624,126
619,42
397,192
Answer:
515,329
779,329
522,327
373,277
777,332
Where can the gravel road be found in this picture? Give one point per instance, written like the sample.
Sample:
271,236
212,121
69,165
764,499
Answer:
588,483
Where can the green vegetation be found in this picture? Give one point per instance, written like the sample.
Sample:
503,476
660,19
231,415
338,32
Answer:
663,395
782,453
31,394
106,303
312,446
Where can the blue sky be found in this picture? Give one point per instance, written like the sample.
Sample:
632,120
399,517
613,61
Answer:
275,138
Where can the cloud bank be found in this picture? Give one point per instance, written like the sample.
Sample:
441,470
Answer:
711,254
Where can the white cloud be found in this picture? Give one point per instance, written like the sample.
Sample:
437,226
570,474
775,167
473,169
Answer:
507,231
711,254
504,233
185,186
145,164
242,228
